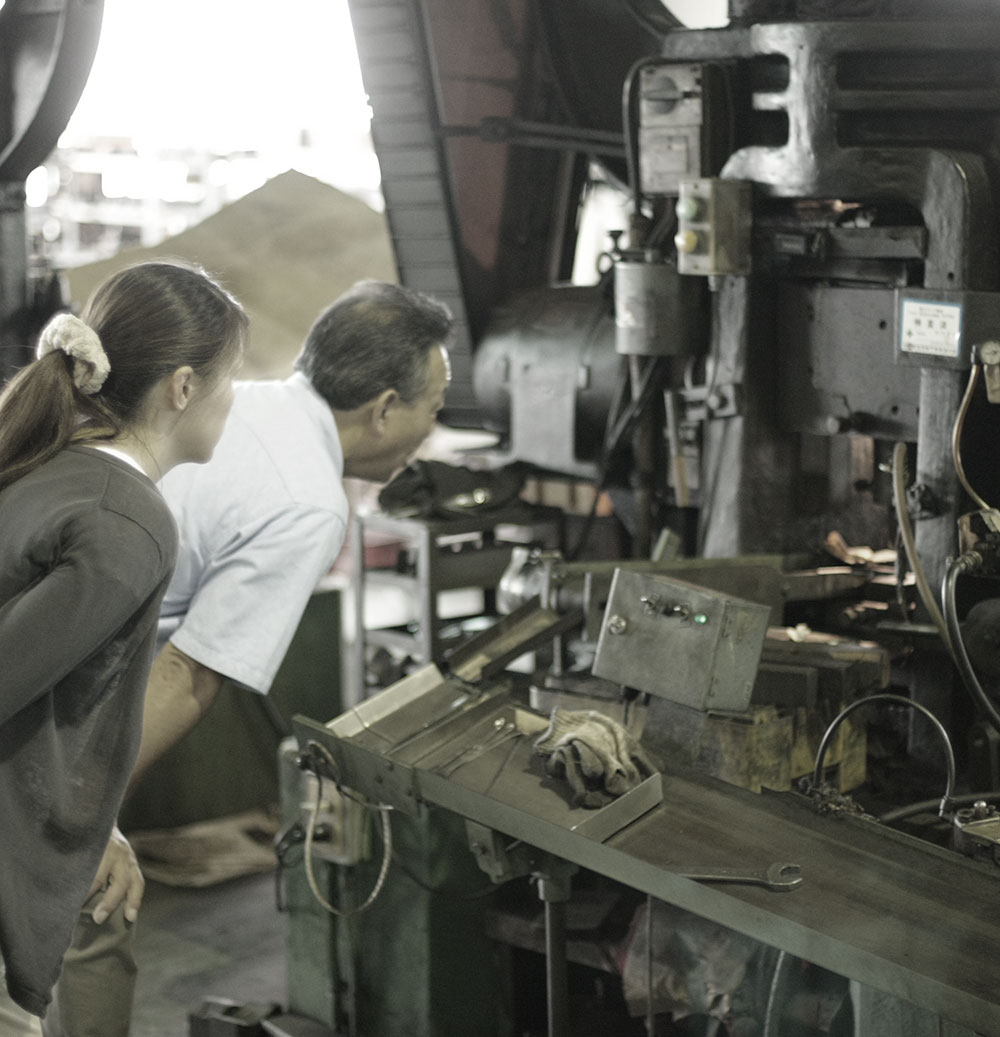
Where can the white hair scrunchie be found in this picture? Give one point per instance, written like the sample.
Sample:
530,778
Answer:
74,338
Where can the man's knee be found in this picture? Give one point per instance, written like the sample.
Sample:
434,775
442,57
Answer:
93,997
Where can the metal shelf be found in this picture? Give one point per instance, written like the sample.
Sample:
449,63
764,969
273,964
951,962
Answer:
444,554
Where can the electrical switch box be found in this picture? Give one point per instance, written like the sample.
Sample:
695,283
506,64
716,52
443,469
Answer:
671,125
714,219
683,110
681,642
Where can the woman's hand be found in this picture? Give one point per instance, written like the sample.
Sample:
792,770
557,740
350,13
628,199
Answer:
119,876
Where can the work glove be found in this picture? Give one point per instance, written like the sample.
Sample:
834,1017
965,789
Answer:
595,754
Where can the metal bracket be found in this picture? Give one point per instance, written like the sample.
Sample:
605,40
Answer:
504,860
717,401
976,832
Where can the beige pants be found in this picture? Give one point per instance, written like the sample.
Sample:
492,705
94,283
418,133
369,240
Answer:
14,1020
93,997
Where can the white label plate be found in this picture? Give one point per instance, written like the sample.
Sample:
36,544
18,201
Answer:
933,328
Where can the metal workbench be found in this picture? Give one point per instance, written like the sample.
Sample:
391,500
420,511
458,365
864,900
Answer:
914,920
897,914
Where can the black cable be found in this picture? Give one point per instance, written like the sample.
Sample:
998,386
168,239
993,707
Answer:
628,132
617,402
899,571
617,428
614,413
905,527
665,228
625,424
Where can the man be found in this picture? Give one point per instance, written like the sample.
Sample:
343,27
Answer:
260,525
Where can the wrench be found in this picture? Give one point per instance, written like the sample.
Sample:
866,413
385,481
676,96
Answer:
777,877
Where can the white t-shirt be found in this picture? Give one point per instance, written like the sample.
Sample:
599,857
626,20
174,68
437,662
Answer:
260,525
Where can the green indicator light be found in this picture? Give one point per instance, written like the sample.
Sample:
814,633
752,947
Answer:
700,618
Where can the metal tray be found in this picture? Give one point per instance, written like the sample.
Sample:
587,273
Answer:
435,739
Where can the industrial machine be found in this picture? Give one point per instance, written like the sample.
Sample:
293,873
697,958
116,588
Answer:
791,333
781,368
47,51
783,336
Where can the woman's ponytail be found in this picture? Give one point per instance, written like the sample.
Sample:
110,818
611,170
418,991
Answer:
38,415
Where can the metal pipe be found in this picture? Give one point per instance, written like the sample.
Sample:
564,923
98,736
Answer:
643,467
650,1013
910,543
556,982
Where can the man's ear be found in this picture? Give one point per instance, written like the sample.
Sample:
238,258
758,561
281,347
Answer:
381,406
180,387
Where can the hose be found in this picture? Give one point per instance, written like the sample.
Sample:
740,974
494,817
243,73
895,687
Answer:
946,800
956,567
311,831
622,419
966,799
956,438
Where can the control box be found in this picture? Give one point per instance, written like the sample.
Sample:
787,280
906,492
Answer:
714,219
681,642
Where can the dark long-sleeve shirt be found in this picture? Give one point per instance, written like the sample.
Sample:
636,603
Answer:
87,547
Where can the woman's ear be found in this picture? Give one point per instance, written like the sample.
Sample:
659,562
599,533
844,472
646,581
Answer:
180,387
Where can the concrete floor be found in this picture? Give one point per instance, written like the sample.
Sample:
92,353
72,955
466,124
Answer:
224,941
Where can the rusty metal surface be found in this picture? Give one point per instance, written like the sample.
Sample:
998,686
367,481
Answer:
900,915
905,917
867,894
680,641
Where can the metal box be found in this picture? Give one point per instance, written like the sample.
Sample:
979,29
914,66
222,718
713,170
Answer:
681,642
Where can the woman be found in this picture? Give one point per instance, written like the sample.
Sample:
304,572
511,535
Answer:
140,383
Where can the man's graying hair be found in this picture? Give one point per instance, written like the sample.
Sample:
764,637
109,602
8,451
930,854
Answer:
376,336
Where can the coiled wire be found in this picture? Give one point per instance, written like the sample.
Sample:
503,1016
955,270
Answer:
383,873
